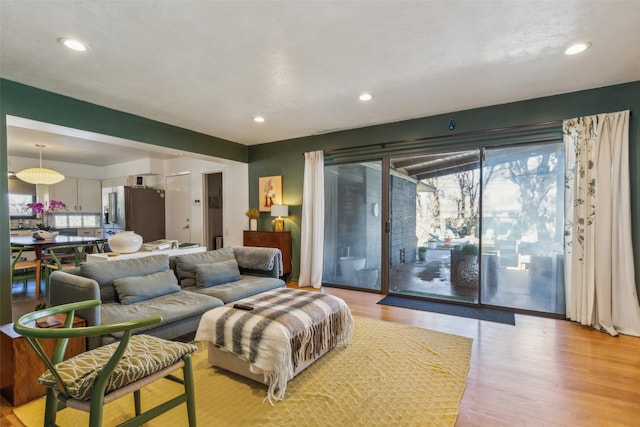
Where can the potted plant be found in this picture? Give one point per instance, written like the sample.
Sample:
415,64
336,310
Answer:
470,252
253,215
422,253
432,243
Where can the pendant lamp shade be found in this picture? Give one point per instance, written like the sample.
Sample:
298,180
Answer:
40,175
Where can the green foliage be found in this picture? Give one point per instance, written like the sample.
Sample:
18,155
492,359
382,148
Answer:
422,248
469,249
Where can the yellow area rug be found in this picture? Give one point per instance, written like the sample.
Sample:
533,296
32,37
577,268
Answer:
391,374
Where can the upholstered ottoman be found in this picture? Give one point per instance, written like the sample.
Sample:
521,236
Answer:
284,331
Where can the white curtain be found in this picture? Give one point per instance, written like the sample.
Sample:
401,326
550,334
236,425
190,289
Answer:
312,234
599,271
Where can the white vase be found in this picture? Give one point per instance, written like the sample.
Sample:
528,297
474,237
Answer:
125,242
253,224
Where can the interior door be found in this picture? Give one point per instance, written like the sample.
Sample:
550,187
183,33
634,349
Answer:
178,208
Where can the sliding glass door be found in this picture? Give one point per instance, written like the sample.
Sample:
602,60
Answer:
522,227
353,198
433,241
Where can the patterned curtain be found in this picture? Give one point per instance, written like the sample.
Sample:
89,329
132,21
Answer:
599,272
312,233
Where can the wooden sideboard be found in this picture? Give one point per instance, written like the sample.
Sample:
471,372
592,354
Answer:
21,367
272,239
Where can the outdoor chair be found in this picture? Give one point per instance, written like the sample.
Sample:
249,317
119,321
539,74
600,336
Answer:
94,378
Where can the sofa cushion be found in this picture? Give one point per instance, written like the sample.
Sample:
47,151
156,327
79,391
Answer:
245,287
139,288
144,356
105,272
173,307
186,264
217,273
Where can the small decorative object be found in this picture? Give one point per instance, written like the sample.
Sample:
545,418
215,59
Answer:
270,192
432,243
253,215
45,235
125,242
279,211
470,252
422,253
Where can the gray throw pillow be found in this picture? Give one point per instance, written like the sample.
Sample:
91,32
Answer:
106,272
139,288
186,264
217,273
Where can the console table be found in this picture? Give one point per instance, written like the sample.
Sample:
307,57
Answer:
272,239
20,367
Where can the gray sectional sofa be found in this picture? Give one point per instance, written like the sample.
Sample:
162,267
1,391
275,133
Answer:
178,288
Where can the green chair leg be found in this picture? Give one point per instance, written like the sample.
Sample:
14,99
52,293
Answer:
189,389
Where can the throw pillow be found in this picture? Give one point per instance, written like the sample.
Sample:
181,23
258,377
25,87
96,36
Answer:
140,288
217,273
106,272
186,264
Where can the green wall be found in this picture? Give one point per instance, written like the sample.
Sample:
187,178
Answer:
286,157
31,103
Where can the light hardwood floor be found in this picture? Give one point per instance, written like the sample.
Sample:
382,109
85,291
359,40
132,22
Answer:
540,372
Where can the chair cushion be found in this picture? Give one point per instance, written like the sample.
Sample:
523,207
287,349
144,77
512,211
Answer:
186,264
139,288
145,355
217,273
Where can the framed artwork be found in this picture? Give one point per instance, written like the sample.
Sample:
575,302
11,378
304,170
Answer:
269,192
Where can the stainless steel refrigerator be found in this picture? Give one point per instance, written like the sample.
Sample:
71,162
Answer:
144,212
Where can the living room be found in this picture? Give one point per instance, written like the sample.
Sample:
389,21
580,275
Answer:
284,157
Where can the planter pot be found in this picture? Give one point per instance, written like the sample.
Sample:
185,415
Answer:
422,255
348,266
125,242
471,259
367,277
253,224
432,245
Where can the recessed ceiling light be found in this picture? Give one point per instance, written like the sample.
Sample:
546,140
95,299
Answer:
73,44
365,97
258,119
576,48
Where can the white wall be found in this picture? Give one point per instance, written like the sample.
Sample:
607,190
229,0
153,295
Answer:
235,195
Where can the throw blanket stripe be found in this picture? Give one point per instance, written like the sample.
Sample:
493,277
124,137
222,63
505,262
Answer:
285,327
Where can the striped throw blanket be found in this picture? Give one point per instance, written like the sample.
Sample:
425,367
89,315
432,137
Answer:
286,326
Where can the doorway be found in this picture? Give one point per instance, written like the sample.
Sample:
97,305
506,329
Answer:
214,210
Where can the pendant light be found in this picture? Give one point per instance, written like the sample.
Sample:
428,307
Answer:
40,175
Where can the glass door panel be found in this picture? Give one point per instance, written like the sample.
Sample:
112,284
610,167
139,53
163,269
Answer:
352,240
433,237
522,233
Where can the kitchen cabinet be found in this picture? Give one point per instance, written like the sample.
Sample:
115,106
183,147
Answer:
272,239
79,194
91,232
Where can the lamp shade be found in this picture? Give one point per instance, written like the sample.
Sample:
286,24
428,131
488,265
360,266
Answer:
40,175
279,210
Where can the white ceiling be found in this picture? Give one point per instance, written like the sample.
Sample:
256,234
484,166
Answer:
211,66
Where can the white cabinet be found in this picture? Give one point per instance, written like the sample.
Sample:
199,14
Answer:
79,194
90,232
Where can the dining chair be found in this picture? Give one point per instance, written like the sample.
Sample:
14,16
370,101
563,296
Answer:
97,377
23,269
63,256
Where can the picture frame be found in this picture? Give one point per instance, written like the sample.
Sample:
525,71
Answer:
269,192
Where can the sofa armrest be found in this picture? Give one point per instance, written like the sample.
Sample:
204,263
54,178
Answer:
259,261
66,288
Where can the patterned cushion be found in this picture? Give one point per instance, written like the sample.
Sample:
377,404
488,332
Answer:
144,356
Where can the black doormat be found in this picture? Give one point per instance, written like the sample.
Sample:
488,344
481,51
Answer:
480,313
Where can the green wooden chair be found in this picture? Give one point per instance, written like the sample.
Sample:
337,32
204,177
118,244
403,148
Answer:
64,256
22,269
92,379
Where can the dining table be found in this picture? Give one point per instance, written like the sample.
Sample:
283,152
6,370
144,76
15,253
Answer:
39,245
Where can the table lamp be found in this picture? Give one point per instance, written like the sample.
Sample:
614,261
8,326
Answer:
279,211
